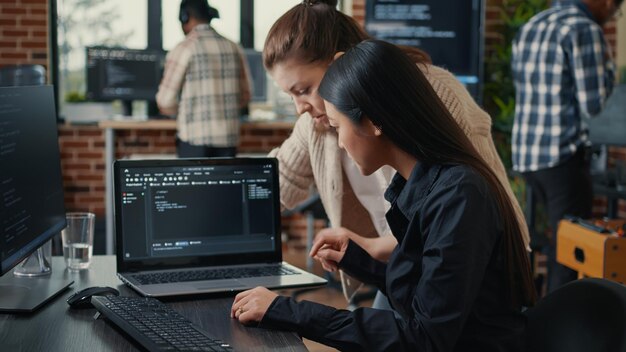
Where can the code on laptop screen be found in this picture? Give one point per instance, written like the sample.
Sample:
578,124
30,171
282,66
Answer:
196,210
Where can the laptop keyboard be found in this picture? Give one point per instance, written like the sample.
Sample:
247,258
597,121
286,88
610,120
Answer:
212,274
156,326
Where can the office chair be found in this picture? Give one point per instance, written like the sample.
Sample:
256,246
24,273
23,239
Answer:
583,315
313,209
22,75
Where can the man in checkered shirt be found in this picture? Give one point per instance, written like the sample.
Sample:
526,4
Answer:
205,83
563,72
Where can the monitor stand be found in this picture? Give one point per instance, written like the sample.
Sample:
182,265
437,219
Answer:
25,294
37,264
127,108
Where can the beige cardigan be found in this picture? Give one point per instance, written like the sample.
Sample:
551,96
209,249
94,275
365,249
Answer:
311,157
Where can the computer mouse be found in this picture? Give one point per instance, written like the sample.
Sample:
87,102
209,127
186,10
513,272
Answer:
82,298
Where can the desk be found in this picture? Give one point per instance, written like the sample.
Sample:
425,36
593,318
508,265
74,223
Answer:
591,253
55,327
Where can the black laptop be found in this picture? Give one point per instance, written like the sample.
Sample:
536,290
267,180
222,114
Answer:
189,226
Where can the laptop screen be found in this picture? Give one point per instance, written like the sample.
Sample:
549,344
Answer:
180,212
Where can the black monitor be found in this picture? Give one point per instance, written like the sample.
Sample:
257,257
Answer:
123,74
450,31
609,126
32,207
258,75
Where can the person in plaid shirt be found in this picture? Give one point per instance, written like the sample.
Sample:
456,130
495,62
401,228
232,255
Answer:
563,72
205,83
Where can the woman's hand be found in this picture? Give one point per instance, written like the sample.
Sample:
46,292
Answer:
250,306
330,246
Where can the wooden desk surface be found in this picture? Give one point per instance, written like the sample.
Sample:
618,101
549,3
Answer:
138,124
55,327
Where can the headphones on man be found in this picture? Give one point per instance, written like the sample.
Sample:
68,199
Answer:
183,16
201,6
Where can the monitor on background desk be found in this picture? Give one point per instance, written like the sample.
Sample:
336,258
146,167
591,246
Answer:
609,126
258,75
32,209
450,31
124,74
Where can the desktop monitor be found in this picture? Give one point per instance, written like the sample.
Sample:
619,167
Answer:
258,75
32,207
450,31
609,126
123,74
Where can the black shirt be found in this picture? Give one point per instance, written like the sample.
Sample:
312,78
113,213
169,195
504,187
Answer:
445,279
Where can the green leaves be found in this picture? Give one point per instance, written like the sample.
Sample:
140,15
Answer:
499,92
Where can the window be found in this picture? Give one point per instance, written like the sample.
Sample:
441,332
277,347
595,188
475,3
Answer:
227,25
124,23
265,14
82,23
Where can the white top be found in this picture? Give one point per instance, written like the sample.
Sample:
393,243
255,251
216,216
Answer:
370,191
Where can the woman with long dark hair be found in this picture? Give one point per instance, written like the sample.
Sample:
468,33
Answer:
299,48
460,274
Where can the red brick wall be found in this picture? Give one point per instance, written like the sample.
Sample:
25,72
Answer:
599,203
82,156
24,32
82,162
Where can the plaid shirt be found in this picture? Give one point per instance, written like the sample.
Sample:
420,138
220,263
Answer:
563,71
206,80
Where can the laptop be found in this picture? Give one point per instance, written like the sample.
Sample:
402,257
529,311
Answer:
191,226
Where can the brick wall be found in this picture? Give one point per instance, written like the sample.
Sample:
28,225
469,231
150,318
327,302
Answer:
82,156
82,162
23,32
614,153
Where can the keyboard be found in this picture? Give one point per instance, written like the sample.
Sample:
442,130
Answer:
212,274
154,325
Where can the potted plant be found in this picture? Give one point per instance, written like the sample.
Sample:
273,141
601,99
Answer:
78,108
499,100
499,92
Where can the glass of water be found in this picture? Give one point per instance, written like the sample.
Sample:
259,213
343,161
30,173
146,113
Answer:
77,240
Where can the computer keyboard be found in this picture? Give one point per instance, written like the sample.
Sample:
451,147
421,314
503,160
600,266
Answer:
156,326
212,274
